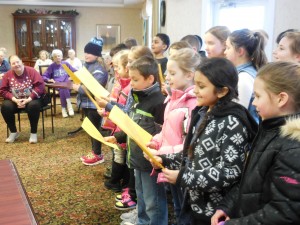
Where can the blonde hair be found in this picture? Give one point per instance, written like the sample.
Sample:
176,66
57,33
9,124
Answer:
187,59
47,53
139,51
179,45
282,77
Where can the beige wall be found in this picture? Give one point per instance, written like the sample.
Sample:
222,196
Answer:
128,18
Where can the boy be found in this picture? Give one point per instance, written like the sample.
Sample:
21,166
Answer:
160,44
147,110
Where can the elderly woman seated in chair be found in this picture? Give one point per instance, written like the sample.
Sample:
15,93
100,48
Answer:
22,89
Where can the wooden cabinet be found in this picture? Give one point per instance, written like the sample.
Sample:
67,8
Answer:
43,32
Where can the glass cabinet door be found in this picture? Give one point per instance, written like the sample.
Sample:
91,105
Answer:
51,31
36,37
22,38
65,36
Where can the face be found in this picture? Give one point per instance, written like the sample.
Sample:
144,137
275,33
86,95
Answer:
57,58
43,56
176,77
71,54
231,53
17,65
122,70
205,91
264,101
90,58
138,82
157,45
283,52
214,47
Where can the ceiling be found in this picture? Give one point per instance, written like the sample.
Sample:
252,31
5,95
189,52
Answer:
85,3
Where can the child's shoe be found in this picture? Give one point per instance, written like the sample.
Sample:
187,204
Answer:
129,215
64,112
12,137
88,156
94,160
33,138
125,194
125,204
111,186
70,107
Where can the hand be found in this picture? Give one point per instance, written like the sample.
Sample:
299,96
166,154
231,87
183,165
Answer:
102,101
51,81
171,175
22,102
152,151
75,87
164,89
111,139
158,159
151,145
102,112
218,217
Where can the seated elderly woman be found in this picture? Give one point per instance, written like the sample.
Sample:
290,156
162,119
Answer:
22,88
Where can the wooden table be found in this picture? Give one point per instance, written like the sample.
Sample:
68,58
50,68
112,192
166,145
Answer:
15,208
53,86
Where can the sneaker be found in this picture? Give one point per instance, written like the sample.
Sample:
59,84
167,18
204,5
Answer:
64,112
33,138
127,216
112,186
93,161
127,223
12,137
125,194
125,204
70,111
88,156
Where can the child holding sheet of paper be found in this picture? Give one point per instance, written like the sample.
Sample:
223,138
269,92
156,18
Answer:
147,111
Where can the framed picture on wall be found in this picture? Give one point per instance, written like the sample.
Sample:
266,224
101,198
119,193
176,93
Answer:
110,34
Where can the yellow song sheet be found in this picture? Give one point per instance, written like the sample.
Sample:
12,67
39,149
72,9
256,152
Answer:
133,130
94,133
71,74
91,83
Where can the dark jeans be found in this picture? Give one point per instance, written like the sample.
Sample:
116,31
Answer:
96,119
9,108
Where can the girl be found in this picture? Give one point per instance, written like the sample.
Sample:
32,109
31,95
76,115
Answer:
43,60
180,103
94,64
245,49
216,144
215,39
56,73
288,48
269,190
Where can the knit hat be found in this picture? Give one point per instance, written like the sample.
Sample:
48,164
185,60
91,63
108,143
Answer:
94,47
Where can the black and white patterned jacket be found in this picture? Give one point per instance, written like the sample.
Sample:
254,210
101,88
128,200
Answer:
214,158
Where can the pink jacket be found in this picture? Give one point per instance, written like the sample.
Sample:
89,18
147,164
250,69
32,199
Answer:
176,121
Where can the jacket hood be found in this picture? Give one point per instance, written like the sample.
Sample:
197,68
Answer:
186,94
291,128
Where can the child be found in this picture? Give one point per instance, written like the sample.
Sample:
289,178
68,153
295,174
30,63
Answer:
269,190
245,49
147,110
56,73
93,63
178,45
215,147
215,41
288,48
160,44
119,168
180,103
42,60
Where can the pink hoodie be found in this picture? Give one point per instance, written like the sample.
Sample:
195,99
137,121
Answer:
176,121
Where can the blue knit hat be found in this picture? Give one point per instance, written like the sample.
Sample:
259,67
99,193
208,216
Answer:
94,47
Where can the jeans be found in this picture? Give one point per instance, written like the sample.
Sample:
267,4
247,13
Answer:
151,199
177,195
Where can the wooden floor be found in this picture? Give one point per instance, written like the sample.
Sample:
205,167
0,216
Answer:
15,208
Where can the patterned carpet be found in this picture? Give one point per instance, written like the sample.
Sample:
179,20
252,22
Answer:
61,189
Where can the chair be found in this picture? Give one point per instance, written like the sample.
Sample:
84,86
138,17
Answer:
43,68
42,110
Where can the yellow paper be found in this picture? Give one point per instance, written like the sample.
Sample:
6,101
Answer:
133,130
71,74
160,74
94,133
91,83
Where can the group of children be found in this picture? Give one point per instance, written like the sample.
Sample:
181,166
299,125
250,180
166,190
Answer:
219,167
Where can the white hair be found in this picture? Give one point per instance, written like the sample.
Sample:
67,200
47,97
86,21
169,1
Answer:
56,52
